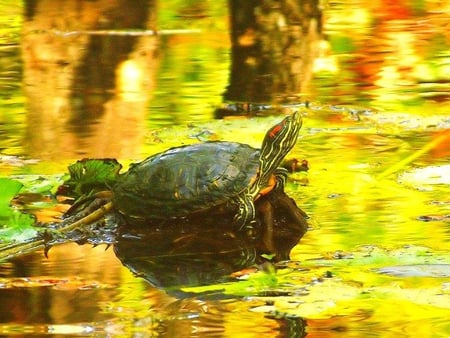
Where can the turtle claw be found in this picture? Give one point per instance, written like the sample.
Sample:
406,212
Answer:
49,238
47,248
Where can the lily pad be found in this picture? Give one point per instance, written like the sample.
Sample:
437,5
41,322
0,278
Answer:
39,184
17,227
418,270
14,225
10,188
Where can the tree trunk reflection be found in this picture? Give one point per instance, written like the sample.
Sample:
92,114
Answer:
83,88
273,48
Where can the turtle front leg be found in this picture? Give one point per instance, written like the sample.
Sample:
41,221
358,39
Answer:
281,176
246,212
246,216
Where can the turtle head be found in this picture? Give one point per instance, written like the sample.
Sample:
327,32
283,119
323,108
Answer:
279,140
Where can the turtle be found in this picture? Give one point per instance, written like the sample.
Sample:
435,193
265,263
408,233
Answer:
194,181
200,177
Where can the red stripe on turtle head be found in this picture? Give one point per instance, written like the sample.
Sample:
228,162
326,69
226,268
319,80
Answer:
276,129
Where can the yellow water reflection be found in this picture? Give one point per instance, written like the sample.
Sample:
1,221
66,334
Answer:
65,94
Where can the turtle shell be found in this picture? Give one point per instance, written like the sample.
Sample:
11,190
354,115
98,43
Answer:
187,179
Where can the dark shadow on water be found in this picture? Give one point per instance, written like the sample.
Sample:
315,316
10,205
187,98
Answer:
205,249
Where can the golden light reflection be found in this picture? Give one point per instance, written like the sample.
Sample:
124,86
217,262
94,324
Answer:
325,61
129,78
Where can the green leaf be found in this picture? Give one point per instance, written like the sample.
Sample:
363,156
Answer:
255,283
19,227
89,175
14,226
39,184
8,189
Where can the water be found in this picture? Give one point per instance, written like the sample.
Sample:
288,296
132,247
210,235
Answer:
379,92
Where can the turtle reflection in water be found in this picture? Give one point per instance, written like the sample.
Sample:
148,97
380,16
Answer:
206,178
200,251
